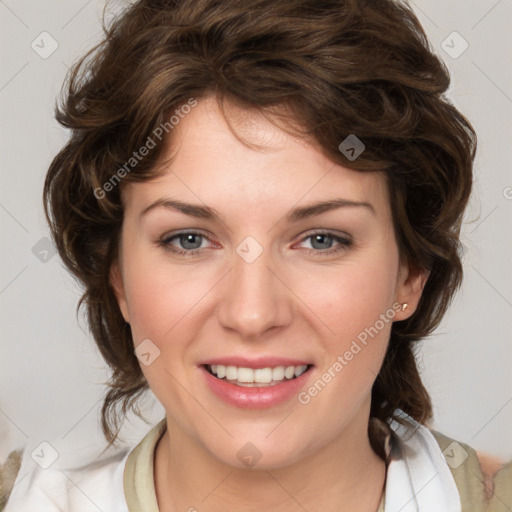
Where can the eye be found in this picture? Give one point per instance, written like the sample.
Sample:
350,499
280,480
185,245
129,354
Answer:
190,241
322,242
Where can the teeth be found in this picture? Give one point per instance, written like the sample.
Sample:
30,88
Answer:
250,376
289,372
231,372
245,375
298,371
278,373
263,375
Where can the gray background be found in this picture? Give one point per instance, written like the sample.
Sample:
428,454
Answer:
50,372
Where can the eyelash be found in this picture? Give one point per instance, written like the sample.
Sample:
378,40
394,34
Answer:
345,243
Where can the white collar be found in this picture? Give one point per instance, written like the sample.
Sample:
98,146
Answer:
418,477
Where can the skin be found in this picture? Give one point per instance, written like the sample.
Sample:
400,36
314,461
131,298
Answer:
294,300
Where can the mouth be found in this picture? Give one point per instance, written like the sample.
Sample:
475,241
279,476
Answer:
256,377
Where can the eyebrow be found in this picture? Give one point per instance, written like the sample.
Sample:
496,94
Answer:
294,215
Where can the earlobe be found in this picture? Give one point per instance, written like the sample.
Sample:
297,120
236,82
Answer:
116,281
410,288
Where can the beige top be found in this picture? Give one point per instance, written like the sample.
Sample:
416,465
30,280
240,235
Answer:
483,484
125,481
139,485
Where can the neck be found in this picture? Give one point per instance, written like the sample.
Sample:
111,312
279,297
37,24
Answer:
344,475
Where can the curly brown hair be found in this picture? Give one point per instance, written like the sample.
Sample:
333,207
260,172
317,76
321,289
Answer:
340,67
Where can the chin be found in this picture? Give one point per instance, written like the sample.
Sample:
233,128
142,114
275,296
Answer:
258,453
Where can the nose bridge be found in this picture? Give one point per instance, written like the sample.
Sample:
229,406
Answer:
253,300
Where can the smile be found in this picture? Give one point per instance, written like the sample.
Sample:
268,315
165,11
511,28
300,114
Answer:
266,384
256,377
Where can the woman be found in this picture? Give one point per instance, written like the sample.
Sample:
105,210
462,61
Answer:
258,132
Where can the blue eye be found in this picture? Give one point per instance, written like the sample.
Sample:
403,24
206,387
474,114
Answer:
323,238
188,239
191,241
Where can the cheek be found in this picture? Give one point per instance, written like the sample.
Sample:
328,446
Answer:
355,304
353,298
162,302
164,298
158,300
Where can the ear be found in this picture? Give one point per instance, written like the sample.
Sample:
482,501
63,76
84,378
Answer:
410,285
116,281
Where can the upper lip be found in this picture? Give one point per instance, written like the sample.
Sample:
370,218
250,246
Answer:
255,362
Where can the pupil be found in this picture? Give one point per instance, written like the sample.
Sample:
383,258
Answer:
324,237
187,239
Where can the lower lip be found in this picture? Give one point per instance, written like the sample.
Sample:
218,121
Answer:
255,397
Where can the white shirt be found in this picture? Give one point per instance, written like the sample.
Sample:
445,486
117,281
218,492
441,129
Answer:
418,480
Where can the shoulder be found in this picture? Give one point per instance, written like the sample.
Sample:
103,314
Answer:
483,481
87,488
437,467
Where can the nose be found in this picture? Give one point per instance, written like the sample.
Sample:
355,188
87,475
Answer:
255,298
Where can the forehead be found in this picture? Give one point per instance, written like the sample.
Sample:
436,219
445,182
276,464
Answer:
204,161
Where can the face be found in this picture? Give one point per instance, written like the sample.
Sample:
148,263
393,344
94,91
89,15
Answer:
254,284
